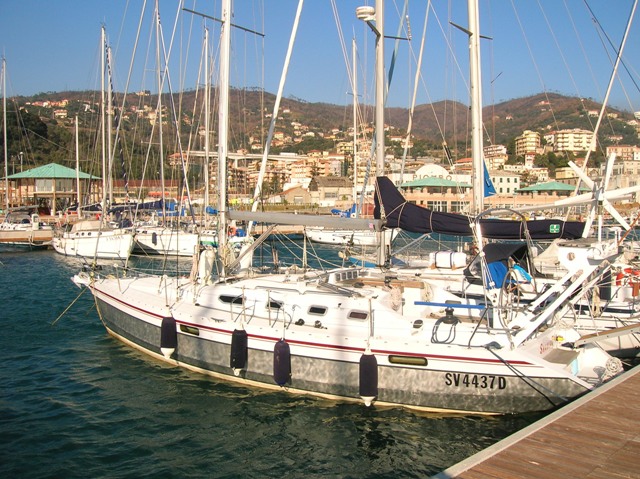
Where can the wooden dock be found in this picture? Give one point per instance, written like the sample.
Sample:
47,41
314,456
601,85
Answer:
596,436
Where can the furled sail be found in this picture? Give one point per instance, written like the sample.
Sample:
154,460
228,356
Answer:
399,213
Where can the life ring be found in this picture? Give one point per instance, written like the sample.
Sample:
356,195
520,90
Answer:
628,276
232,231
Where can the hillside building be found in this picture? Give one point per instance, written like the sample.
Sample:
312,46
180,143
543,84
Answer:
529,141
624,152
575,140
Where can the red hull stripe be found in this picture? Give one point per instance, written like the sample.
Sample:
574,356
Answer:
325,346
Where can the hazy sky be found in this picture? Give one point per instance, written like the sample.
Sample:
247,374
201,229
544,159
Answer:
536,46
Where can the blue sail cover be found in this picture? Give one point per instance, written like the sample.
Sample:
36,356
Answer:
399,213
348,213
489,189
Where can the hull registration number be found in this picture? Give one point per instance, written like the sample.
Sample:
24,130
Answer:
479,381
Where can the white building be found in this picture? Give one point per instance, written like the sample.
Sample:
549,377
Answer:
504,182
529,141
625,152
575,140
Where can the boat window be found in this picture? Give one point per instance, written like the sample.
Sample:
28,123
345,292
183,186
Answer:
232,299
357,315
190,330
319,310
408,360
274,304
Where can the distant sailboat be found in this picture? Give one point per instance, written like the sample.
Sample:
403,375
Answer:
96,238
21,227
344,236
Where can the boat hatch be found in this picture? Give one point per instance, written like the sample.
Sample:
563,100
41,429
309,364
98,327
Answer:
360,315
228,299
274,304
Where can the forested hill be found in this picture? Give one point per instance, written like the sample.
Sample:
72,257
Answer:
43,135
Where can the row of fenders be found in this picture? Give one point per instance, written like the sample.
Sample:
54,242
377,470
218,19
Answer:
239,358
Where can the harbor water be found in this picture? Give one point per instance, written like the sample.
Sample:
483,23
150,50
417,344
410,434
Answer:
76,403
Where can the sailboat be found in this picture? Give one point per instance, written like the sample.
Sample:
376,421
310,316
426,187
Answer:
606,312
162,238
344,236
353,334
96,237
21,227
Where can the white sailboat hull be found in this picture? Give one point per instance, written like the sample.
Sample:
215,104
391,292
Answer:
342,237
327,330
102,244
166,241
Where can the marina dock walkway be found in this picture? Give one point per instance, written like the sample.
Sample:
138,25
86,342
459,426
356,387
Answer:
596,436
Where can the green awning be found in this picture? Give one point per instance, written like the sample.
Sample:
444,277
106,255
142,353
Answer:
432,181
550,186
52,170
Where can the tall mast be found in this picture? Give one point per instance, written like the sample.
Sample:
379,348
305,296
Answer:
380,87
104,122
223,122
4,124
109,124
207,112
159,113
355,125
77,167
475,83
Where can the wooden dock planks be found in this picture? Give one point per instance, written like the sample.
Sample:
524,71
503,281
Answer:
596,436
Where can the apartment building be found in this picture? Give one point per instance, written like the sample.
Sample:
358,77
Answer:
527,142
575,140
624,152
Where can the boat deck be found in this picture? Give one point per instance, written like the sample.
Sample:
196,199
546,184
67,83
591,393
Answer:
597,435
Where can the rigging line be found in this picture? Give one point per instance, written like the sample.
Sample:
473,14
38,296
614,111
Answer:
174,118
595,19
555,41
343,45
532,383
588,63
535,65
609,87
415,89
69,307
602,33
584,53
195,125
562,56
459,68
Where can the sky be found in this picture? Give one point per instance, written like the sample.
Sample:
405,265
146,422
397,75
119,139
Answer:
559,46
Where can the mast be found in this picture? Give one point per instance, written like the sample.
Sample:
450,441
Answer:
475,83
77,167
223,123
4,123
207,97
355,125
110,123
104,124
276,108
159,113
380,90
380,86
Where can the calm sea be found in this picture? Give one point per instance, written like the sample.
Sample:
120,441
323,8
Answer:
76,403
